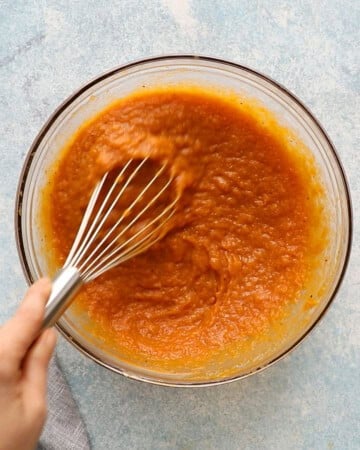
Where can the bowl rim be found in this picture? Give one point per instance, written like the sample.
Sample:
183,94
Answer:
62,107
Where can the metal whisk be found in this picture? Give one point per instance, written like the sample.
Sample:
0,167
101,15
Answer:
100,245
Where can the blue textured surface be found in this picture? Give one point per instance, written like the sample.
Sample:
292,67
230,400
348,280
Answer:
311,400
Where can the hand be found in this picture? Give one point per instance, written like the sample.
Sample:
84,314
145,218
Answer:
24,360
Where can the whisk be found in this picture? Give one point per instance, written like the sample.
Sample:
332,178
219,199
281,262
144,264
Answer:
103,242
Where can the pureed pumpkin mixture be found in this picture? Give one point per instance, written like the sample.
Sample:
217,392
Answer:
240,248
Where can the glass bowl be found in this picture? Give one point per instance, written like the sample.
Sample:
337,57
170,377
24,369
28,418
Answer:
205,72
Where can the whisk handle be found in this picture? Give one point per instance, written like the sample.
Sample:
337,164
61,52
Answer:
64,287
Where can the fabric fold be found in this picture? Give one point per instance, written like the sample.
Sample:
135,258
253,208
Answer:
64,428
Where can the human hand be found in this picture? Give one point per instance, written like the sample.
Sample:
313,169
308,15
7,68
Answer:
24,360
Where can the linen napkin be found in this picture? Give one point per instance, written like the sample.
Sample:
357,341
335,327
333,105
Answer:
64,428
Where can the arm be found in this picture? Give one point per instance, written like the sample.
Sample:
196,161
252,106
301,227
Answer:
24,360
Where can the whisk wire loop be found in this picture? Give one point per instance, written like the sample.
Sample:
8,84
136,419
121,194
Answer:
91,233
92,254
91,272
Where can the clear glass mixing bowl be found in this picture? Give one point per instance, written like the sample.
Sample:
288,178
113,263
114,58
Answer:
206,72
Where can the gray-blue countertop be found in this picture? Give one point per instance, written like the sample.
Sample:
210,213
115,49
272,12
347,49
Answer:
310,400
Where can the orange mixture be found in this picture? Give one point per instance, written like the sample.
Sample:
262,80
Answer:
238,250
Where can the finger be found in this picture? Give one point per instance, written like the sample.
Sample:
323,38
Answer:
18,334
36,362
